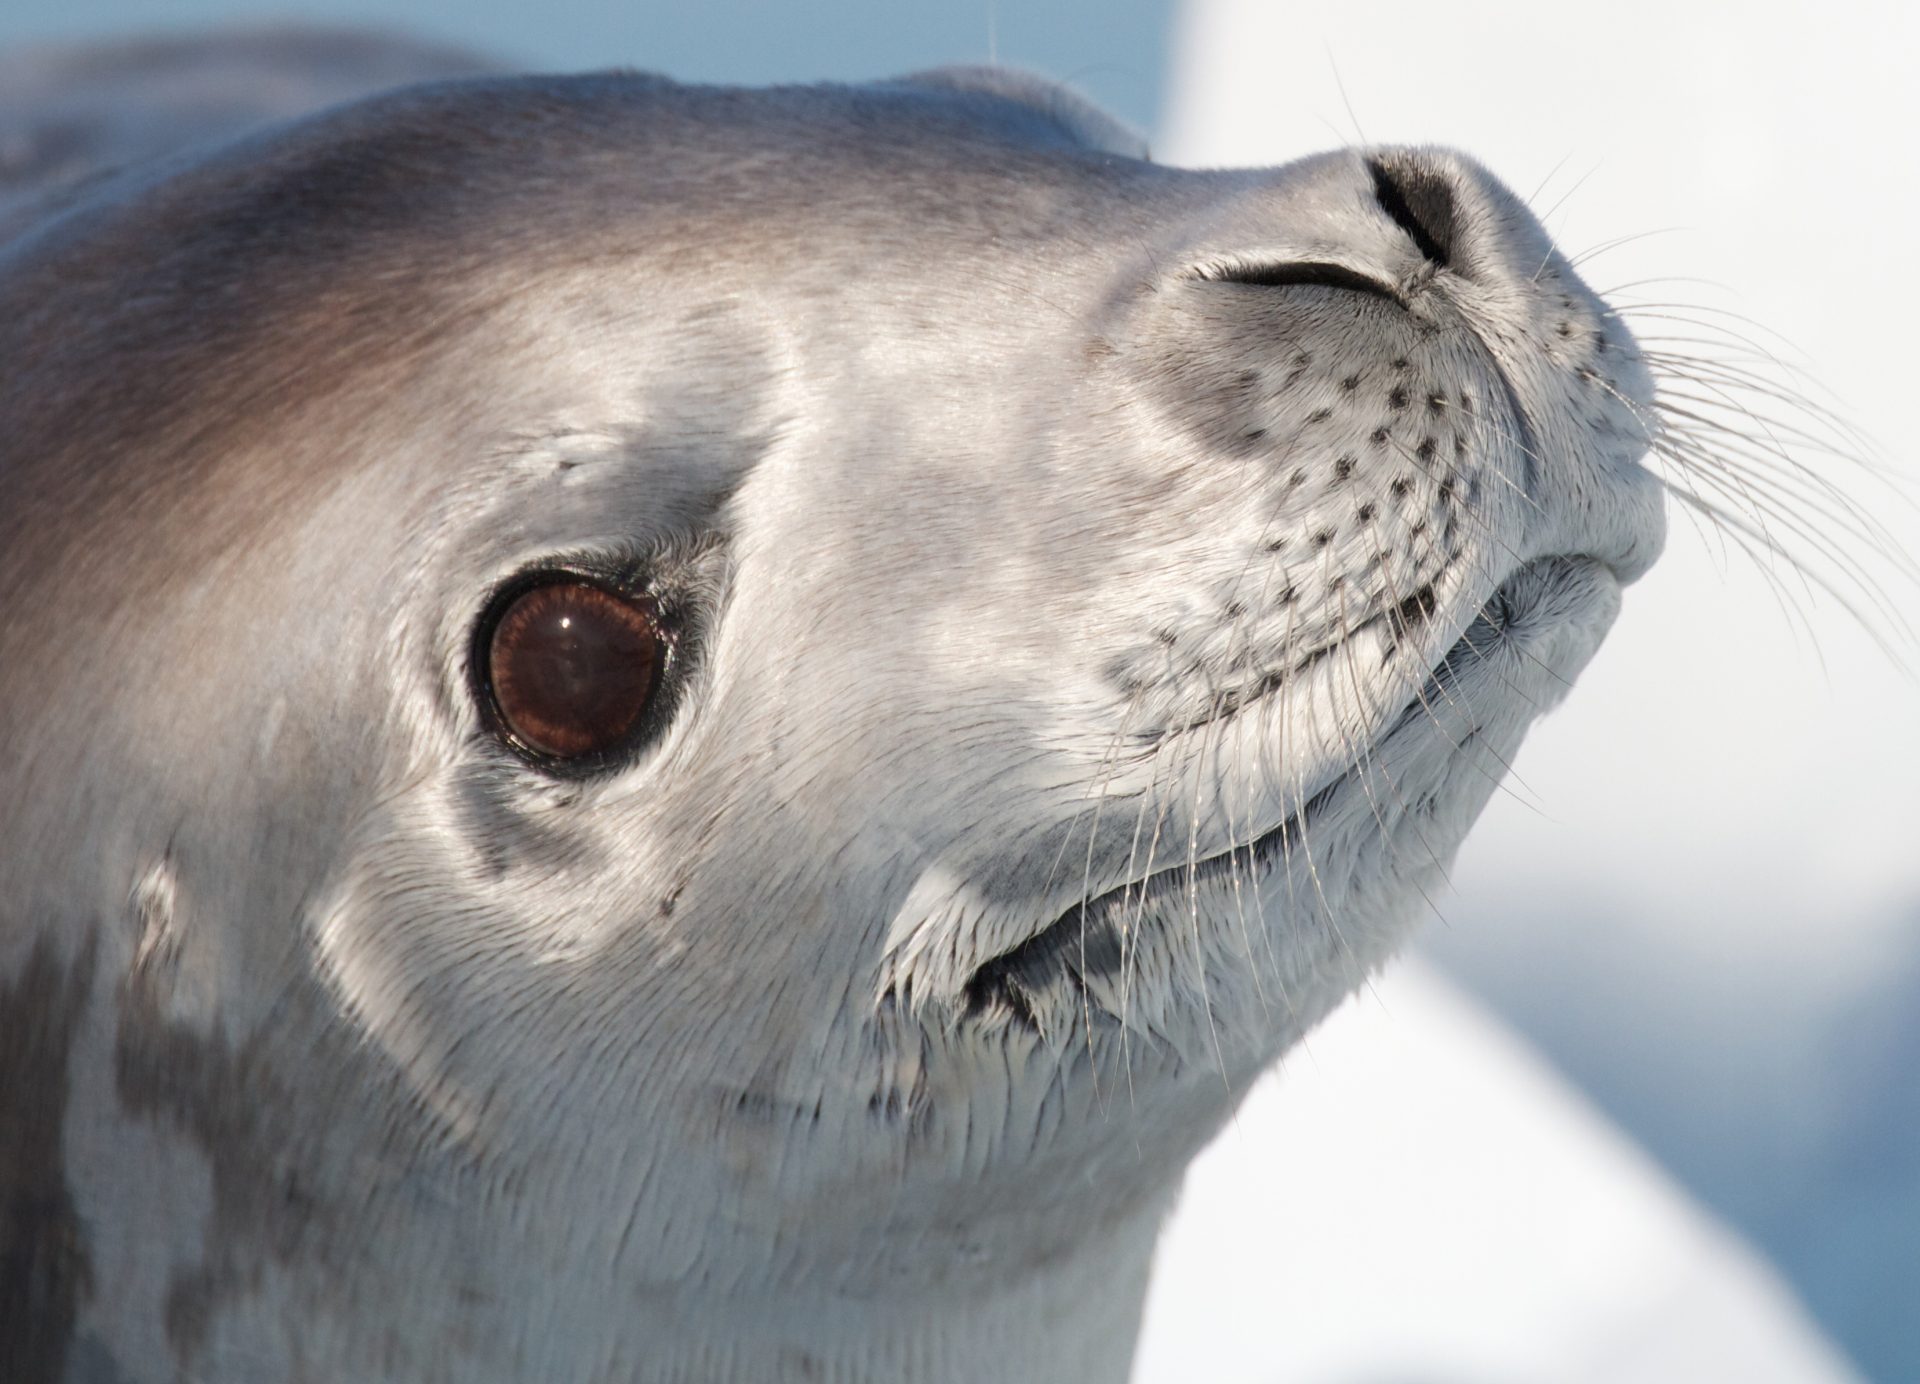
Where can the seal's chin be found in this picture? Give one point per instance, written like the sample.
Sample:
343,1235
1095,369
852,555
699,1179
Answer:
1514,660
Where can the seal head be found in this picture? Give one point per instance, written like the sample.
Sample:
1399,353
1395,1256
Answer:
1064,613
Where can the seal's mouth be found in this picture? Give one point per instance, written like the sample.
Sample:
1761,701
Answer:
1086,938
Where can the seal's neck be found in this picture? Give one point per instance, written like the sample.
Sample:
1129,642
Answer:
1074,1322
950,1319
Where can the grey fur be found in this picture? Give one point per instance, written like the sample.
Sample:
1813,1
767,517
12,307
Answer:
1097,643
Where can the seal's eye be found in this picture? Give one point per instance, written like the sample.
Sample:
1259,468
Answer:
570,667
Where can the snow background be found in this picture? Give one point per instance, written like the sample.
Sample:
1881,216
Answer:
1703,899
1700,905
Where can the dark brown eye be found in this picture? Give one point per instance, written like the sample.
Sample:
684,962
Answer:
572,667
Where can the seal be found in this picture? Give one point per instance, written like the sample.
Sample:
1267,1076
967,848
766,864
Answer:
673,733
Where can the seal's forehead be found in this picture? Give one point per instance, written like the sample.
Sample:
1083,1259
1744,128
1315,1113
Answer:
173,328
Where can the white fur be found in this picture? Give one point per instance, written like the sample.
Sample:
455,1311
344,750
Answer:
999,516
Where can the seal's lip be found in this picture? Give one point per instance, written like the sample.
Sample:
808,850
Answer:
993,983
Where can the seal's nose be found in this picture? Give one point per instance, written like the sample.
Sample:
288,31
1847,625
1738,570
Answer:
1446,214
1417,196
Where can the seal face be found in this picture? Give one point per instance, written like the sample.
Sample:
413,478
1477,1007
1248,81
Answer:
1040,620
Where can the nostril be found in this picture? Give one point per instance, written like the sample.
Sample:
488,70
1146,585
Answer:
1299,273
1419,200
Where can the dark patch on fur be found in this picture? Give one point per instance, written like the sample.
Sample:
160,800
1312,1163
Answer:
769,1107
90,1362
228,1100
45,1272
1415,610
